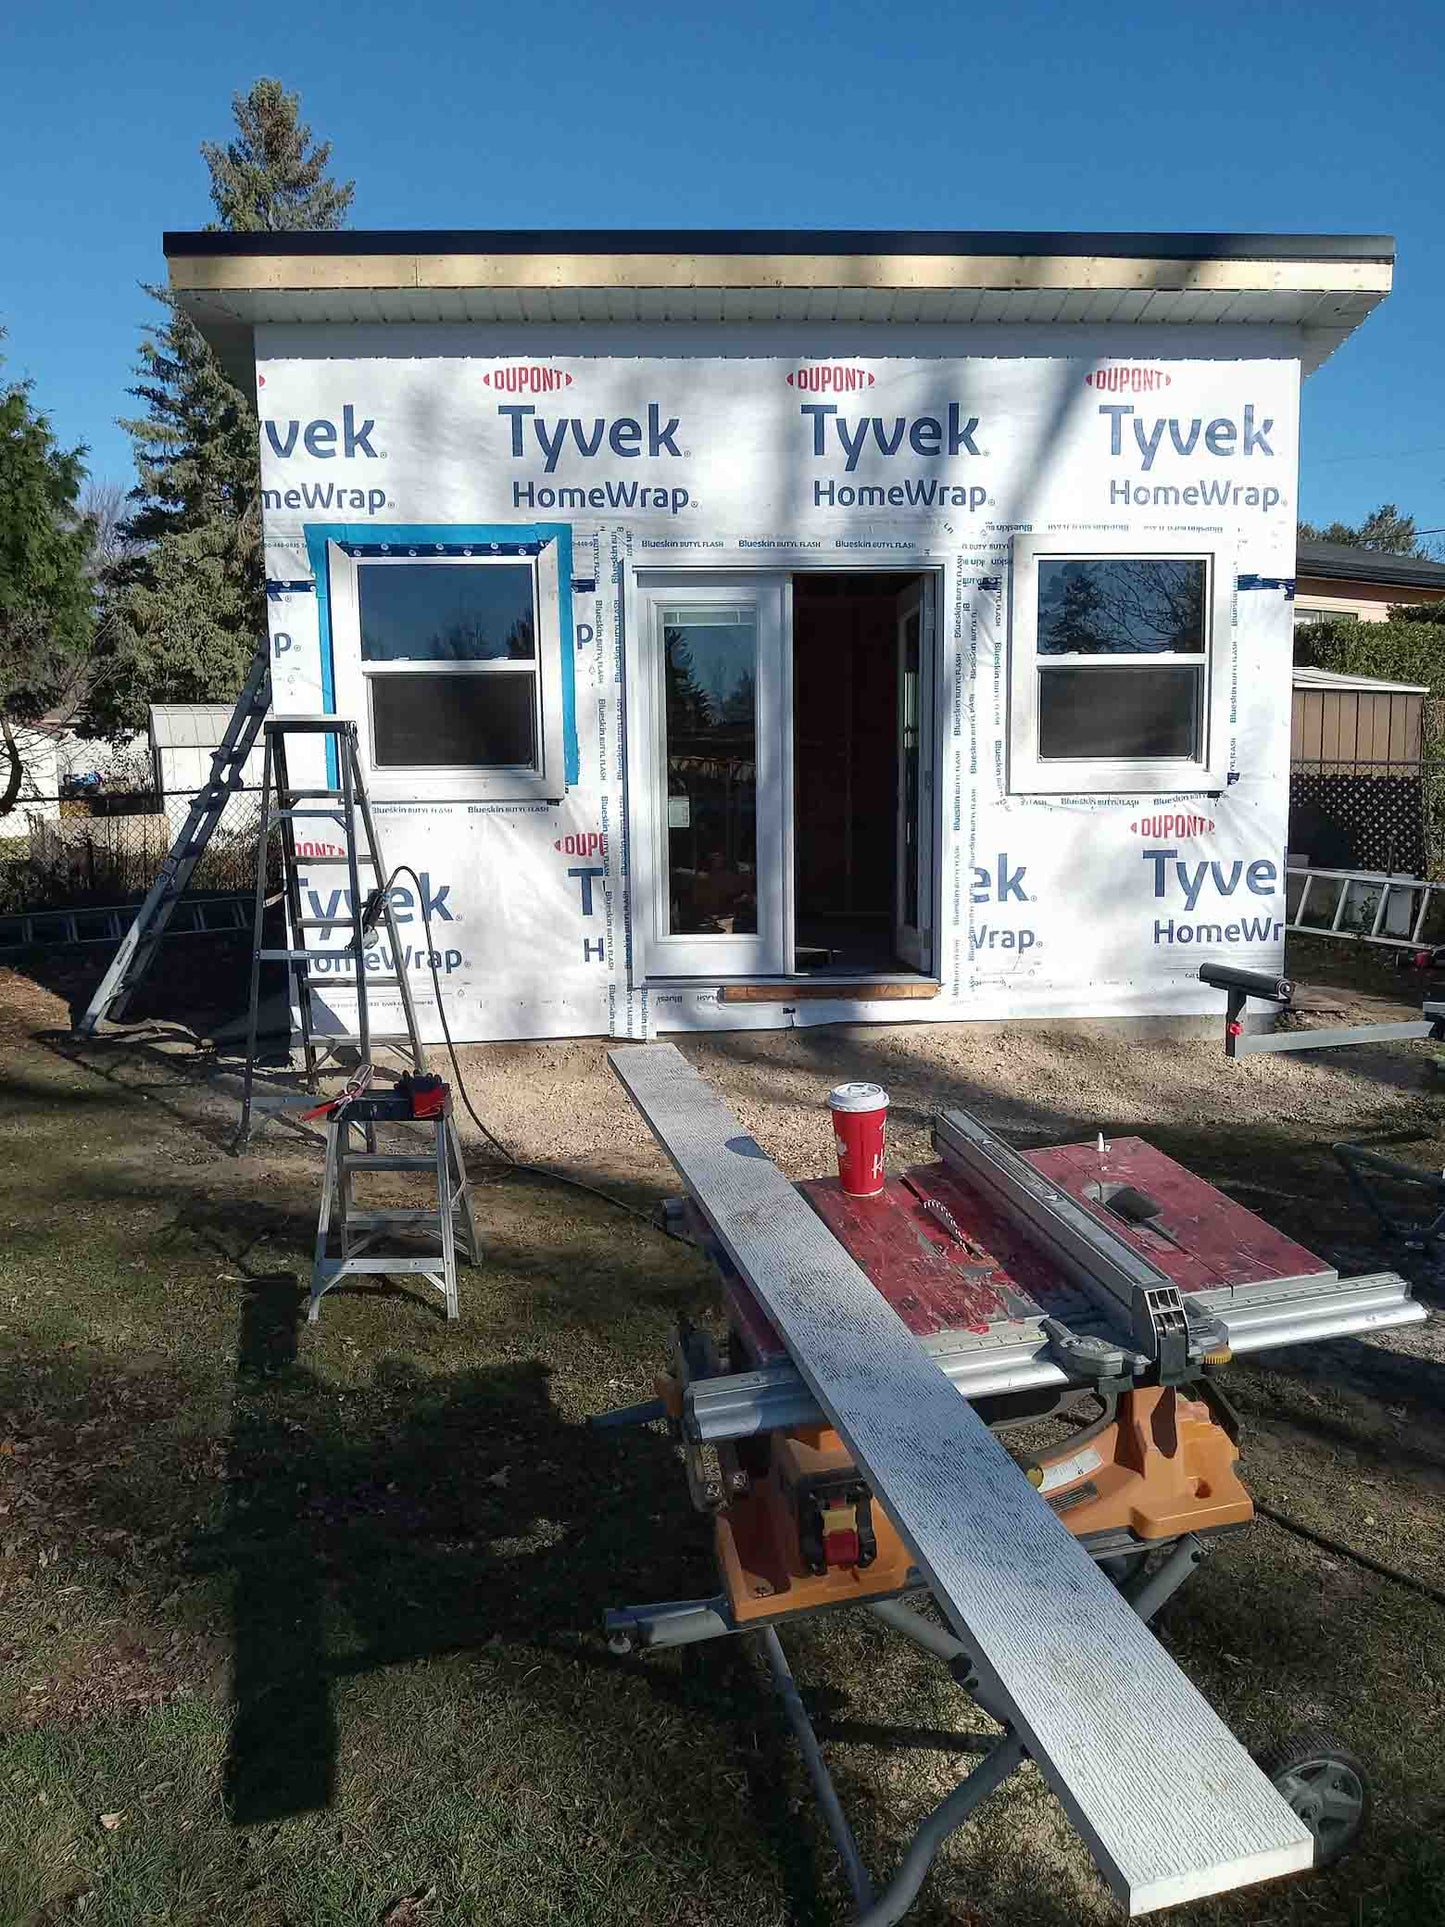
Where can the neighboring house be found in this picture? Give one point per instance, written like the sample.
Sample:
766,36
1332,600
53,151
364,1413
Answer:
57,763
1334,583
1356,799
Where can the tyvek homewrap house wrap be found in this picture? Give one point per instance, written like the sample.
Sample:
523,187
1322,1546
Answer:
760,629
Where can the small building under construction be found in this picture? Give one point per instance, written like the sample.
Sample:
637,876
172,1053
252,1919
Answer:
753,629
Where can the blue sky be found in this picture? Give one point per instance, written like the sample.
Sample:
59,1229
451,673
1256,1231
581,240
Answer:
1291,117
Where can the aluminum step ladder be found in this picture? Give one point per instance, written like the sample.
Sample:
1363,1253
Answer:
359,1229
312,970
138,946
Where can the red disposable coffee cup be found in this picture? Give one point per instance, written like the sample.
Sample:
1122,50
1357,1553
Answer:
860,1118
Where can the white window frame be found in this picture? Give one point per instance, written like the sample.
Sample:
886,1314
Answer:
355,680
1029,773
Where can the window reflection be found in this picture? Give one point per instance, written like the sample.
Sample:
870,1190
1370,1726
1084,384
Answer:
710,665
1128,605
463,611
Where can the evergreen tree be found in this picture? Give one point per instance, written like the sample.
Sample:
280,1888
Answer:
185,604
46,600
272,179
1385,530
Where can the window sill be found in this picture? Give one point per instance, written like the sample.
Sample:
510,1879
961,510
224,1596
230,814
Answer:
1115,779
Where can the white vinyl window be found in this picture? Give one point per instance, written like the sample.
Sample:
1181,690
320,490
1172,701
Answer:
1114,675
451,665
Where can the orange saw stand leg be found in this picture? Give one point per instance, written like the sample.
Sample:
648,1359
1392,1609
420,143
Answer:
1165,1465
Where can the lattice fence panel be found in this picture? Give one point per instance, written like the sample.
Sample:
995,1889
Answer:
1359,819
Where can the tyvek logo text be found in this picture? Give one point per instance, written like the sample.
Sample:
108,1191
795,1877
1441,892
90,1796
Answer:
1223,437
1214,882
622,436
319,438
999,882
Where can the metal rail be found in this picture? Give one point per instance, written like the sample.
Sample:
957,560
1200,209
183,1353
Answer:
775,1398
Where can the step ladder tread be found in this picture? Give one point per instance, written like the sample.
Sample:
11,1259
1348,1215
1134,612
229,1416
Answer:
330,1268
387,1161
319,1037
399,1217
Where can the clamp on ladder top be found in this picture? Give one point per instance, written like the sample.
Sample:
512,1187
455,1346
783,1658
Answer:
317,968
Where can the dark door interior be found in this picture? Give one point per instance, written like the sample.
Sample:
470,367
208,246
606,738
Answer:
845,775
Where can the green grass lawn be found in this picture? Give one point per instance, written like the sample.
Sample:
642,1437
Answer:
298,1622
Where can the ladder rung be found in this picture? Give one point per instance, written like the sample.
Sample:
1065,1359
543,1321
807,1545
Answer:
362,856
384,1220
288,815
340,795
319,1037
310,726
326,923
303,956
388,1161
336,981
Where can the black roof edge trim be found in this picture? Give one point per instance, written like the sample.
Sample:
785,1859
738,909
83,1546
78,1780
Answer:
841,241
1336,562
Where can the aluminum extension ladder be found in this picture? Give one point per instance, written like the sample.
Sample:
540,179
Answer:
1361,906
344,803
449,1225
138,946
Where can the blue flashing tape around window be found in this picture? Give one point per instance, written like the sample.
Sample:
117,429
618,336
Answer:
275,589
1285,582
518,538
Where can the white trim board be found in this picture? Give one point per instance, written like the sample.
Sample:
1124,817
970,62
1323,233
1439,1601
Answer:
1167,1800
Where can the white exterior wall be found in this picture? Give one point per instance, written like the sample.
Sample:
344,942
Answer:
411,444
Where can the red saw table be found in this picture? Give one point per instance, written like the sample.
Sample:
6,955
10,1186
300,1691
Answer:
954,1267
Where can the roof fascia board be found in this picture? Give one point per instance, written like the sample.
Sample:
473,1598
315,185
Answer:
221,272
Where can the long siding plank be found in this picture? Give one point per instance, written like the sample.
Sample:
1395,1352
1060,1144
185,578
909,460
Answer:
1168,1801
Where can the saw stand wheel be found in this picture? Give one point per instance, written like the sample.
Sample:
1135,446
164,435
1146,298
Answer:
1325,1785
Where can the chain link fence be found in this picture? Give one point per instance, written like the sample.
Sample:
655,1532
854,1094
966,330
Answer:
104,849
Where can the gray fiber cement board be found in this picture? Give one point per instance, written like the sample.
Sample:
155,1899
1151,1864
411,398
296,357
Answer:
1168,1801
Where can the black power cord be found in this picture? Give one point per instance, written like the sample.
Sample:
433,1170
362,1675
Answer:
1353,1553
509,1157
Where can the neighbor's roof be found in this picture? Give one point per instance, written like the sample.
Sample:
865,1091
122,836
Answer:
1323,284
1305,678
1336,562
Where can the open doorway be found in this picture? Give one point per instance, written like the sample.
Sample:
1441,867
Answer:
861,774
781,795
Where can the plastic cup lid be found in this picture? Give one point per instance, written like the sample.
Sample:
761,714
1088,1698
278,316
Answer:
858,1097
